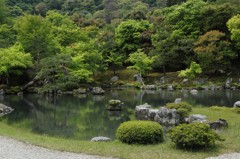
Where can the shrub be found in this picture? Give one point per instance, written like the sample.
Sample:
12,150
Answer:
140,132
183,108
194,135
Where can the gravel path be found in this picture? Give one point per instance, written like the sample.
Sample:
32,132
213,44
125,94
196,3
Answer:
227,156
12,149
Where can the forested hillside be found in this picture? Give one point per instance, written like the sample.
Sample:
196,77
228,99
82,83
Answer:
64,42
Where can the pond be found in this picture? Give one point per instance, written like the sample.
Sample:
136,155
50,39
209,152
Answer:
86,116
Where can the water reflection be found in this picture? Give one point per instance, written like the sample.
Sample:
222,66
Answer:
86,116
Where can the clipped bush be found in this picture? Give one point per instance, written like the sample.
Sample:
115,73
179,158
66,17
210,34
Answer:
183,108
194,135
140,132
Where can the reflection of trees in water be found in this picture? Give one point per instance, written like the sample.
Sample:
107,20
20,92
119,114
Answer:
84,118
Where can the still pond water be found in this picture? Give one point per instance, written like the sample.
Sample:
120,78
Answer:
86,116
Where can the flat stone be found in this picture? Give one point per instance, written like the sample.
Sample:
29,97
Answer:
100,139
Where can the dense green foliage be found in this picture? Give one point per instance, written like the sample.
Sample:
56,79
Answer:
183,108
97,35
140,132
191,72
194,135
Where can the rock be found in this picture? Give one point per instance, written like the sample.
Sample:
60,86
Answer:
228,82
178,100
185,81
163,80
2,92
98,91
220,123
5,109
100,139
195,118
114,105
194,91
236,104
20,93
170,88
141,111
114,79
167,117
80,91
152,113
149,87
138,78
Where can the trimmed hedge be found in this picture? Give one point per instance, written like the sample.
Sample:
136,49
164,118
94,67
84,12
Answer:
183,108
140,132
194,135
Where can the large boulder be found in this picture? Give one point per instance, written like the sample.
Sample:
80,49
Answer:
167,117
236,104
5,109
98,91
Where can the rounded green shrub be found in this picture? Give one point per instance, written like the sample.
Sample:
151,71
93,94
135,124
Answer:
183,108
194,135
140,132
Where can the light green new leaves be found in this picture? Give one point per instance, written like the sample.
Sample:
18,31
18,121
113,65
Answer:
141,61
234,27
13,59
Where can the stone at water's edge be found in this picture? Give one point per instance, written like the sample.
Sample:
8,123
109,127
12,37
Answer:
167,117
142,111
178,100
100,138
236,104
114,104
5,109
98,91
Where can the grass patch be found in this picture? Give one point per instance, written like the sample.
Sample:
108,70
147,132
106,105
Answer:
165,150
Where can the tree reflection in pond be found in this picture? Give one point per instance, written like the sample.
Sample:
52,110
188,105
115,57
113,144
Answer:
84,117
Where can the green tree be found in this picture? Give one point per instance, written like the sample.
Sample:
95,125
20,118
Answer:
64,30
191,72
36,36
3,11
234,27
214,51
62,72
140,61
13,60
128,34
7,36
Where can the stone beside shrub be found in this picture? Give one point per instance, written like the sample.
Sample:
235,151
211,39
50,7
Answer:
183,108
194,135
140,132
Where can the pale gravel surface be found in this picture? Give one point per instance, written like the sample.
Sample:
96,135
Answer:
12,149
227,156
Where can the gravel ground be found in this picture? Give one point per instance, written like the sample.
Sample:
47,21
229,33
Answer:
12,149
227,156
